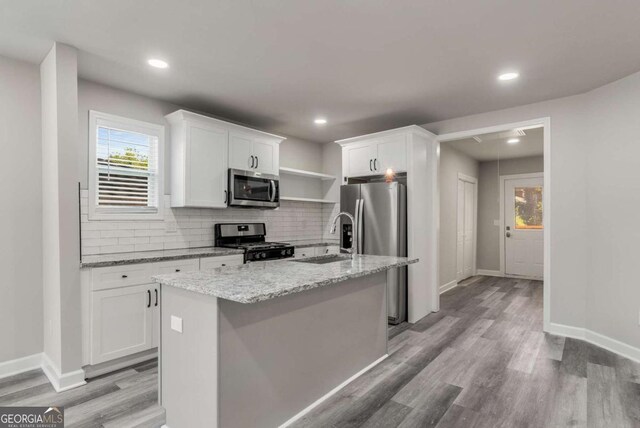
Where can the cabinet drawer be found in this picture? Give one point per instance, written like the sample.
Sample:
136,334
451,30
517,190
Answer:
220,261
190,265
120,276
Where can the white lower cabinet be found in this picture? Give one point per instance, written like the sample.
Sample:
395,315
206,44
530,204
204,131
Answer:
122,305
121,322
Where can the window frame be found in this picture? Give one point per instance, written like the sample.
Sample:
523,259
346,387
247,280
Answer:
95,212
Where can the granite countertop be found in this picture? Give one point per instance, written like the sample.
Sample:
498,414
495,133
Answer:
116,259
260,281
304,243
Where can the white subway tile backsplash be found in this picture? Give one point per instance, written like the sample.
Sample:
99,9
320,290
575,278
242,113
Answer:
193,227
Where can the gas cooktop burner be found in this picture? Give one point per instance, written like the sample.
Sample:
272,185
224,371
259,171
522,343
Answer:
250,238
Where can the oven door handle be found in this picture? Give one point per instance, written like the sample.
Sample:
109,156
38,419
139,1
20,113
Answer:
272,190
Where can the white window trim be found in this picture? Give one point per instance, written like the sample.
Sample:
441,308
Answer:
131,214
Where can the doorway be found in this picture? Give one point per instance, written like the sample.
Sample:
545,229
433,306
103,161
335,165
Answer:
523,241
491,228
466,227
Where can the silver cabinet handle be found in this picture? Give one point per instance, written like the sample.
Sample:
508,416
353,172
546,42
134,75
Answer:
370,168
375,164
252,161
225,196
257,162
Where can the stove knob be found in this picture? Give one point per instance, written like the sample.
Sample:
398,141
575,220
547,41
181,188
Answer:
283,252
263,255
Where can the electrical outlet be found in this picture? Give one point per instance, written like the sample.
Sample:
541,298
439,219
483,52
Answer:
171,227
176,323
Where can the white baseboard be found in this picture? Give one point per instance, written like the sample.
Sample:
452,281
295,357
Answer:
61,382
333,391
486,272
448,286
20,365
596,339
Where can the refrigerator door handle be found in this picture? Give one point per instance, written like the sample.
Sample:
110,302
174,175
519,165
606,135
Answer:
354,244
360,228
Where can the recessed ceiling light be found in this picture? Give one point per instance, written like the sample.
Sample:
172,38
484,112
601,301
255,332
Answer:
513,140
508,76
320,121
157,63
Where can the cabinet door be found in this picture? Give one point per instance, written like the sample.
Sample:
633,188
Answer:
266,154
359,160
240,151
206,167
392,154
121,322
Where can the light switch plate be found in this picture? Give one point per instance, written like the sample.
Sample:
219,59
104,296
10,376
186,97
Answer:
176,323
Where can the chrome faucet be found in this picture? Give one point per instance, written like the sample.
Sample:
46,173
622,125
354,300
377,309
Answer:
354,241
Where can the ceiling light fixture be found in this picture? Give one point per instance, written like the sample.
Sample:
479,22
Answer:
513,140
158,63
508,76
320,121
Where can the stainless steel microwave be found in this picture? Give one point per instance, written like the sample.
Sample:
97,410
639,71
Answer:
251,189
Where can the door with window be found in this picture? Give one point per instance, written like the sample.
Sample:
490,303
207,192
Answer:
524,234
466,223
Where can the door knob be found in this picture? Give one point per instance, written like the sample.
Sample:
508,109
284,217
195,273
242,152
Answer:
508,234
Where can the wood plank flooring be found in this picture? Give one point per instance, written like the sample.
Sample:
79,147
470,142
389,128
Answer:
127,398
482,361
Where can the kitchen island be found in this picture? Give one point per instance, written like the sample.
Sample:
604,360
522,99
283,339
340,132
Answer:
257,345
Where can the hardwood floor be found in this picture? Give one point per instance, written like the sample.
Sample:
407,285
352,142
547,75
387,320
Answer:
482,361
126,398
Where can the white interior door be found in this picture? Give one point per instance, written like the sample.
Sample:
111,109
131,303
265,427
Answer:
523,234
466,219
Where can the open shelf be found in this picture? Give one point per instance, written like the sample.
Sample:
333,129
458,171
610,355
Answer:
303,173
322,201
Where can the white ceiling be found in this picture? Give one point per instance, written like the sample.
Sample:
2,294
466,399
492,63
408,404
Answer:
494,146
366,65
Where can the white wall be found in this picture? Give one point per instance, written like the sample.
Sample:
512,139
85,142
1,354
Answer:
452,162
20,211
612,207
60,226
293,221
570,239
489,234
595,176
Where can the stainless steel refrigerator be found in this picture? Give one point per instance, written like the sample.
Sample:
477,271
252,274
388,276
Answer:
381,212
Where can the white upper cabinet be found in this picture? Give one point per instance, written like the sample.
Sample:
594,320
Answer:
375,156
358,159
254,152
392,153
202,151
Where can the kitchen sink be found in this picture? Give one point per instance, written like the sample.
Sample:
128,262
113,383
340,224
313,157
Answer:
333,258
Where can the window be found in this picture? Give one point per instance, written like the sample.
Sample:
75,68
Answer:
125,168
528,207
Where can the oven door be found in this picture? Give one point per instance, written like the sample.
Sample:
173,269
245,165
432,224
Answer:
250,189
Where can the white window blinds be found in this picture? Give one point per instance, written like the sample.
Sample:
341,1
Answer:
126,167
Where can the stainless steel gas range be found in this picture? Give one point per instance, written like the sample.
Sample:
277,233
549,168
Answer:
250,237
